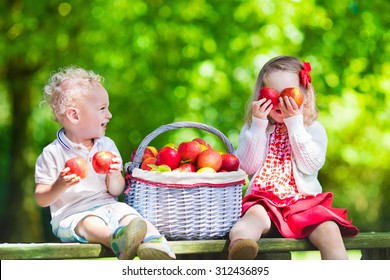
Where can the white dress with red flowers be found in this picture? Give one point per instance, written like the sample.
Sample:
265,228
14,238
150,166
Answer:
294,214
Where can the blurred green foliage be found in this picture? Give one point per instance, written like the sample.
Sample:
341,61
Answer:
197,60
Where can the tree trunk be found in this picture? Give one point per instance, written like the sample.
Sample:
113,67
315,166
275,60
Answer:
22,212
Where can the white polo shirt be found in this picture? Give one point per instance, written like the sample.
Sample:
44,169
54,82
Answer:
90,192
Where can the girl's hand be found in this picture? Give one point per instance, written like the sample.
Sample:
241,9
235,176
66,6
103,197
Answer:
288,107
261,108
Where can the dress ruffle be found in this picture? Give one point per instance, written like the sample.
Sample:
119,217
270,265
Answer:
299,219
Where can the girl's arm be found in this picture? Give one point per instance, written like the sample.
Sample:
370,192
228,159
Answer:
252,145
308,144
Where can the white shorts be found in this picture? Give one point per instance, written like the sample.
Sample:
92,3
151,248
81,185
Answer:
111,214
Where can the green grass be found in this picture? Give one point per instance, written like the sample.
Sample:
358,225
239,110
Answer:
315,255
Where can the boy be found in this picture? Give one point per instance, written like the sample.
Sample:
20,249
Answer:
87,210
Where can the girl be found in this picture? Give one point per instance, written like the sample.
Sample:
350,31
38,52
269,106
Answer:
283,148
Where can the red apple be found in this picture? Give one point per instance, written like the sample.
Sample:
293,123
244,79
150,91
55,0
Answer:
189,151
185,167
146,162
200,141
230,162
203,143
77,166
210,158
269,94
295,93
168,156
101,161
150,151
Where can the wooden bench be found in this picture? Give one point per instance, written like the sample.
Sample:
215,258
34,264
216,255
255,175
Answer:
374,245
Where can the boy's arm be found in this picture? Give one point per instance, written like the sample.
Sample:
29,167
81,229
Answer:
46,194
115,183
115,180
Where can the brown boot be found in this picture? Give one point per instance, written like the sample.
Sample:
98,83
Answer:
243,249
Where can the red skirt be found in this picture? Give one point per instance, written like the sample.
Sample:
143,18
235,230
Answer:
300,218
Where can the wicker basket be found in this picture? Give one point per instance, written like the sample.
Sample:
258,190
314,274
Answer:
186,205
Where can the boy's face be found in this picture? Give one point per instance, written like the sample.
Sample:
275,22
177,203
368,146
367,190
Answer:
93,113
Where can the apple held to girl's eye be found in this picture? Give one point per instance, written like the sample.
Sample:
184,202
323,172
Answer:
295,93
269,94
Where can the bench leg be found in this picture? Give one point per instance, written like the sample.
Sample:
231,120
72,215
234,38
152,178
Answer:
376,254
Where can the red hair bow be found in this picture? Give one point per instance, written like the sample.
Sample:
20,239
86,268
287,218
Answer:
304,73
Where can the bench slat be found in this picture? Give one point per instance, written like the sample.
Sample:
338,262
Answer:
361,241
40,251
185,248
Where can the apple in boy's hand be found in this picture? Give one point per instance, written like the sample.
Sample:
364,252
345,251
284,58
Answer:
168,156
101,161
189,151
210,158
295,93
269,94
230,162
77,166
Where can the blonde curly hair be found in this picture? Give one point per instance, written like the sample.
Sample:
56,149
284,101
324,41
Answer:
66,86
293,65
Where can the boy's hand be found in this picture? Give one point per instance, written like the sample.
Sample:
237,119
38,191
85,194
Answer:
261,108
116,164
68,179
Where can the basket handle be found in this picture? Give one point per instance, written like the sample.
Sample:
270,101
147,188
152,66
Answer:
144,143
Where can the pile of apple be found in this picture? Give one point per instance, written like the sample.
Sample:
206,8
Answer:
189,156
